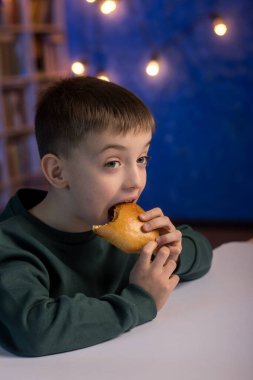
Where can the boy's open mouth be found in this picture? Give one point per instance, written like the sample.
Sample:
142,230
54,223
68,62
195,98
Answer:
112,212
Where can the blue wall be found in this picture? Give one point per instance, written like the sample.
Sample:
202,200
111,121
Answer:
202,160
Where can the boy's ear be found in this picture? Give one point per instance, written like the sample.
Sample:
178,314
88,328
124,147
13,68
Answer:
53,169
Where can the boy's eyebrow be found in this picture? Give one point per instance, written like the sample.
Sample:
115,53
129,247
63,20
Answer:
118,146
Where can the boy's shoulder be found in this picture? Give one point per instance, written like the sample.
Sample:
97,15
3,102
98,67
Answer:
21,202
13,227
14,219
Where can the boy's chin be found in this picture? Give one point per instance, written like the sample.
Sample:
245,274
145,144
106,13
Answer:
100,221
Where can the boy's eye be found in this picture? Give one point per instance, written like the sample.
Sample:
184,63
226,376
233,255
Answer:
143,160
112,164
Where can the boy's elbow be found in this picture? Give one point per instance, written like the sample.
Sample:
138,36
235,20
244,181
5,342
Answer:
197,257
27,347
36,349
25,342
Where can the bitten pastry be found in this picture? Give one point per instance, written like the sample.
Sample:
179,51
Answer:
125,229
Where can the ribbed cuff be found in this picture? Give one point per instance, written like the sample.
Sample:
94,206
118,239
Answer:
141,301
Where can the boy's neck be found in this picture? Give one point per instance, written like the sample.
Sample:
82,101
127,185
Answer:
55,213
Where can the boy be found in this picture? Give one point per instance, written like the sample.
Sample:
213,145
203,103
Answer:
62,287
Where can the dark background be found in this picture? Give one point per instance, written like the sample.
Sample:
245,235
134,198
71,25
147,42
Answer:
202,160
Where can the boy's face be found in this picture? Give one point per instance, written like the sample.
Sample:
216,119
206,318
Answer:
104,170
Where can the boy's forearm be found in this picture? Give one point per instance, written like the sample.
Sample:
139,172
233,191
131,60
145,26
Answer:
36,324
196,256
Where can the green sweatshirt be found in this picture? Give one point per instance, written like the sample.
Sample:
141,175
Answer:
64,291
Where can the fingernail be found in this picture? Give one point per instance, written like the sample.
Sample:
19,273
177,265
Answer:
146,226
158,240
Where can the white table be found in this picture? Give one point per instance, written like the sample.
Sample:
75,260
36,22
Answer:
204,333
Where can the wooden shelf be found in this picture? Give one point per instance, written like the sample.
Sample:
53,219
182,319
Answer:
31,28
33,53
23,130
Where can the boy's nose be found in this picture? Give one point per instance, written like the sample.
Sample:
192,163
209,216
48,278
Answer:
133,179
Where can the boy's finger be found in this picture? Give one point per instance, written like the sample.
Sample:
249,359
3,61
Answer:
174,256
174,280
150,214
170,267
147,252
158,222
168,238
161,257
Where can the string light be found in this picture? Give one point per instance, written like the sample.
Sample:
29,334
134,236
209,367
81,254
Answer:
91,1
78,68
219,27
103,76
108,6
153,67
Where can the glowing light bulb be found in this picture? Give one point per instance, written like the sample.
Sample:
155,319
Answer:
91,1
219,27
152,68
78,68
108,6
103,76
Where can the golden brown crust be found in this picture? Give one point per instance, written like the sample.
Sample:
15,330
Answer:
125,230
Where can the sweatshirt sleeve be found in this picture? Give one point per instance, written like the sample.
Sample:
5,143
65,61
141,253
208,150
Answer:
34,324
196,256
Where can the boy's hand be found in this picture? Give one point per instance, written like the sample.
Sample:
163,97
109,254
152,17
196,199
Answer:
169,236
155,275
